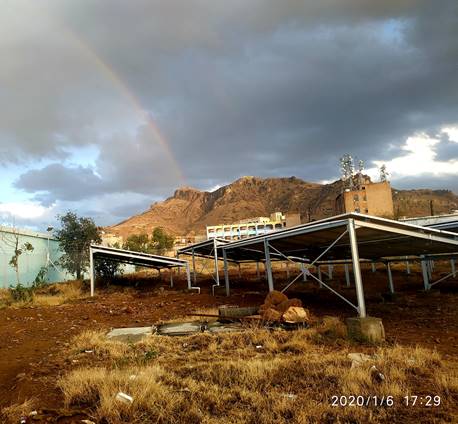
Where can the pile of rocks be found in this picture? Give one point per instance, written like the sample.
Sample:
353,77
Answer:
278,308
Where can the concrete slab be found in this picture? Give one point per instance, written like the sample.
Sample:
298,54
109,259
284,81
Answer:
130,335
179,328
218,327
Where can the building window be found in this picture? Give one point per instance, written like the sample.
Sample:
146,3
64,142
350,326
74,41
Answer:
355,197
357,210
366,210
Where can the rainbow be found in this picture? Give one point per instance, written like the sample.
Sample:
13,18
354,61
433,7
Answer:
107,70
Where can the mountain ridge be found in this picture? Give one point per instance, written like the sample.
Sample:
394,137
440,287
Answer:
189,209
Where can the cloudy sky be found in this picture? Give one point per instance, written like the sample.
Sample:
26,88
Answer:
108,106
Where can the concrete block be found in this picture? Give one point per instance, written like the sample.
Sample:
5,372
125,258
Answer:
368,329
129,335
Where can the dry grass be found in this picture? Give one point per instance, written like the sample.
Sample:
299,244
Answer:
253,376
58,294
12,414
50,295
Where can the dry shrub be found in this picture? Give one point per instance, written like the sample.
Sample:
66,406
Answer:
13,413
57,294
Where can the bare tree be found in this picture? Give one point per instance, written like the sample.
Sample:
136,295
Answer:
11,239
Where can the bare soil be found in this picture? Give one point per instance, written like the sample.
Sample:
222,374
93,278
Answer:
34,340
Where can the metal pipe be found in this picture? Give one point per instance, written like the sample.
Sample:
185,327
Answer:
356,268
171,277
452,264
216,262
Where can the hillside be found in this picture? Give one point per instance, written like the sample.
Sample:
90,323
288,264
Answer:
189,210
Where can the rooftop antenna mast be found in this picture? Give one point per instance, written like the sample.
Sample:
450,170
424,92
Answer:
347,170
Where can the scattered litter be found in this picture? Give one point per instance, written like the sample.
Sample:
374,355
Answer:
186,389
87,422
259,346
33,413
291,396
88,351
125,398
376,374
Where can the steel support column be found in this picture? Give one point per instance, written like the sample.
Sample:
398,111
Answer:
424,270
171,277
270,280
226,273
356,268
373,266
193,266
91,270
347,275
452,264
216,262
390,277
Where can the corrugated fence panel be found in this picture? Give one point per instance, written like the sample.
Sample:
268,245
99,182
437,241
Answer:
30,263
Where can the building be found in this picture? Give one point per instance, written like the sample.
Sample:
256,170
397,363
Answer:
253,226
374,199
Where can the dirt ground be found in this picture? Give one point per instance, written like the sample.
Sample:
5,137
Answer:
34,340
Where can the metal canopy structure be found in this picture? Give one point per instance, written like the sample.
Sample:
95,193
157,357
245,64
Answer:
343,237
97,252
377,238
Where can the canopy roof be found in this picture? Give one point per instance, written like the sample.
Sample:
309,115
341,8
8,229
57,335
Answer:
377,238
135,258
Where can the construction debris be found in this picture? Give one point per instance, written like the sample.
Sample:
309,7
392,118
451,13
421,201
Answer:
130,335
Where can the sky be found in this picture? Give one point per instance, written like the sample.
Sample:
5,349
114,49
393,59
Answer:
108,106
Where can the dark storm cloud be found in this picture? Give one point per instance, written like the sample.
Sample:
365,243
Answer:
237,88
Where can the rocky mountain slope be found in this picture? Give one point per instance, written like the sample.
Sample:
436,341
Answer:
189,210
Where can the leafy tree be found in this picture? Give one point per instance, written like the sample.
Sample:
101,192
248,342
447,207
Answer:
107,268
75,237
161,241
158,243
138,243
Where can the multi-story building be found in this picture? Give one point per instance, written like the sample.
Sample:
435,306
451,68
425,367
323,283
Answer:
253,226
367,198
